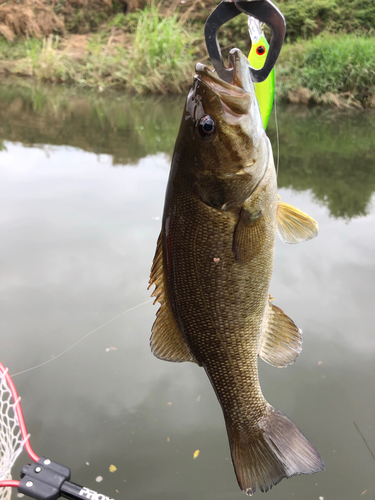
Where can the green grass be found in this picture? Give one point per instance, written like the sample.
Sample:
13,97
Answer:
20,49
330,63
162,52
158,57
127,22
159,53
307,18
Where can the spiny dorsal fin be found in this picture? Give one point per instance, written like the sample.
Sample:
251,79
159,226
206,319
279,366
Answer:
249,235
166,341
293,225
281,341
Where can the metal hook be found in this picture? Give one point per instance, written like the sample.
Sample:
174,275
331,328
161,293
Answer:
263,10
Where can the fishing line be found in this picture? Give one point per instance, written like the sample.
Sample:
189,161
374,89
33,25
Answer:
363,437
81,339
277,131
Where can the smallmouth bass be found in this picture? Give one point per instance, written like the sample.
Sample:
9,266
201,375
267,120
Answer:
213,265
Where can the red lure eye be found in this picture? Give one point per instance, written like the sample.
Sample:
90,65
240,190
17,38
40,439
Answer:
261,50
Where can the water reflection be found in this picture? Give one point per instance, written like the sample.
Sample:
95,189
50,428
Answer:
78,238
329,152
125,127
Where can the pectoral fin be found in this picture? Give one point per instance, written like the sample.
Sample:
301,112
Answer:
166,340
281,341
249,235
293,225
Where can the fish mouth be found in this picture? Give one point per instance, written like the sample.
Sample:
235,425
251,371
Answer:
237,95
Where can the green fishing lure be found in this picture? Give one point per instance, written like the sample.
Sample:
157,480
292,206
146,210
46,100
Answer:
264,91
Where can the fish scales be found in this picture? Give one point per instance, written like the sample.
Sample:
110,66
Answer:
218,313
213,267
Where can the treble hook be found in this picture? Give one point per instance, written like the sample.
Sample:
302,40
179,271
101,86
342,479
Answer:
263,10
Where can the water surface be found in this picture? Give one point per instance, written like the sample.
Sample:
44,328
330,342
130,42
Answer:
82,189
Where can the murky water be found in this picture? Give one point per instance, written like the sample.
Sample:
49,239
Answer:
82,189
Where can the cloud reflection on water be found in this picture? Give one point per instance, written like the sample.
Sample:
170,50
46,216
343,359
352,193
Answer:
78,238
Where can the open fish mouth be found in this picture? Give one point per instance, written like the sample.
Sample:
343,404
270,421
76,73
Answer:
237,95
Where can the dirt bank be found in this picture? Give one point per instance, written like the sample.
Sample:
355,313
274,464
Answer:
38,18
112,43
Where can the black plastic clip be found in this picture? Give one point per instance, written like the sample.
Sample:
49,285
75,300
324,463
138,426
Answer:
263,10
47,480
43,480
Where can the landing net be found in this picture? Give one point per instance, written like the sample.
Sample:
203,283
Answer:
13,436
11,441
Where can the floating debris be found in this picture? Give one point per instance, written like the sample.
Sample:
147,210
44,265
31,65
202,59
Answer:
168,439
320,362
112,468
99,479
196,454
198,398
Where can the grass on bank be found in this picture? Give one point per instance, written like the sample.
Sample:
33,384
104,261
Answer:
308,18
149,52
336,64
19,49
157,56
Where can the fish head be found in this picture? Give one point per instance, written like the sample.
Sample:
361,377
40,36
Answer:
222,128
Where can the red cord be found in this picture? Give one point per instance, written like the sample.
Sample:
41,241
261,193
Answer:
21,420
8,483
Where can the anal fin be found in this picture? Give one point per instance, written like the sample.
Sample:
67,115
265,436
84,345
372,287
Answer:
281,341
166,341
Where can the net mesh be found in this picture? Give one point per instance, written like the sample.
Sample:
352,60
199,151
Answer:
11,442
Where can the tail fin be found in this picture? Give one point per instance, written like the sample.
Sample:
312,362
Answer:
278,450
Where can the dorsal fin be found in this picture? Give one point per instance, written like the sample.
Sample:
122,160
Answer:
281,341
293,225
166,341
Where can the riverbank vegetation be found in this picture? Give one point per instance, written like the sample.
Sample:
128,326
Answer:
146,46
331,68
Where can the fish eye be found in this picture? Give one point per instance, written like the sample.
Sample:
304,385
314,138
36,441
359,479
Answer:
207,126
261,50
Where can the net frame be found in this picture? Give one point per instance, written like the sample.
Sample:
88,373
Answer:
13,438
6,492
11,442
13,432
